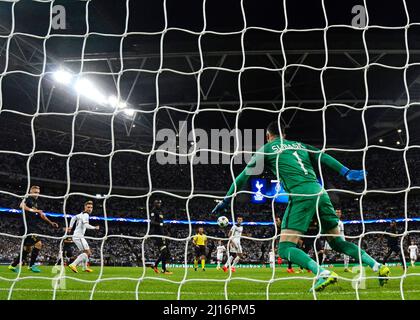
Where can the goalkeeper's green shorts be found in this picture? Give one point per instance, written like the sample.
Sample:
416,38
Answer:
301,211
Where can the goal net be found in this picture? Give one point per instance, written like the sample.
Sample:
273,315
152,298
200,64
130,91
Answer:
126,102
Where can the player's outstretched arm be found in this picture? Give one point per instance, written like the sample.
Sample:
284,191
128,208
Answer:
26,208
240,181
44,217
353,175
89,226
329,161
85,220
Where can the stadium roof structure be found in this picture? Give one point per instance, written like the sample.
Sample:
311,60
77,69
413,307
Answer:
243,69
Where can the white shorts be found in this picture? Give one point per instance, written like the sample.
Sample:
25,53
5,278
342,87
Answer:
219,257
327,246
81,244
235,246
413,257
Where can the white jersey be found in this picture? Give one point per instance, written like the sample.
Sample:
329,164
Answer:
82,223
414,250
271,256
220,250
236,232
341,227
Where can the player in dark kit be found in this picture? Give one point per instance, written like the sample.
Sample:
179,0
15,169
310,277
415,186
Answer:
67,252
31,243
157,228
393,242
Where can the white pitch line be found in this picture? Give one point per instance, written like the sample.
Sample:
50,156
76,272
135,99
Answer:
198,293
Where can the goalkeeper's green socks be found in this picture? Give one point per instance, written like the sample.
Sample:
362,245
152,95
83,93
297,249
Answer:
340,245
195,263
287,250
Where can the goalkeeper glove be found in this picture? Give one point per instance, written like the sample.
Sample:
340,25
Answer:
353,175
222,205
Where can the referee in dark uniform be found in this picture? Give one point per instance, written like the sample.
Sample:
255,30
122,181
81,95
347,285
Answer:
157,228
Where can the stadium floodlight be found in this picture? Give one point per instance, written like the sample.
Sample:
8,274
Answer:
62,76
122,105
112,100
129,112
398,142
381,140
86,88
399,130
116,103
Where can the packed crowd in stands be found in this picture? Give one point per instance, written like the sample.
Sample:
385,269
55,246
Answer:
123,241
386,171
199,207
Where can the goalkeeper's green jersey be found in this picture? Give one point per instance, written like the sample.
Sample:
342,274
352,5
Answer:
292,162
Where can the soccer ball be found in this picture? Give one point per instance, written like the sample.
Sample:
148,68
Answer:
223,221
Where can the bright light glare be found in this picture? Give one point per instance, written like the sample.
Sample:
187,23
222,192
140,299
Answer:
115,103
62,76
129,112
86,88
112,100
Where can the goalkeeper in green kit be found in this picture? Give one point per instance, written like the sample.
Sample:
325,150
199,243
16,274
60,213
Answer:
292,162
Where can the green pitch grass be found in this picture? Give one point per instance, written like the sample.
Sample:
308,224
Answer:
122,283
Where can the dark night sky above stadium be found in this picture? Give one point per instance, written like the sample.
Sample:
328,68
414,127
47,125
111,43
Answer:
258,88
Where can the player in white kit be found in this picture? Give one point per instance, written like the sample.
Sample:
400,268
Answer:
82,223
220,250
272,259
414,251
341,226
234,245
325,250
327,247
